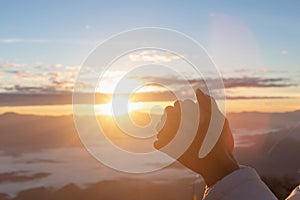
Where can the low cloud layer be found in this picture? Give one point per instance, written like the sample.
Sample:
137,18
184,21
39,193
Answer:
257,82
53,84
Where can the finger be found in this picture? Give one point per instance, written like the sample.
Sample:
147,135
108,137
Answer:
157,145
178,106
161,123
170,126
201,96
168,109
204,100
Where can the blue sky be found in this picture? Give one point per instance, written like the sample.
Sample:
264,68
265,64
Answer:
65,31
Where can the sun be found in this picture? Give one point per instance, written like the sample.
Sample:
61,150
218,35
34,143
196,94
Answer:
120,102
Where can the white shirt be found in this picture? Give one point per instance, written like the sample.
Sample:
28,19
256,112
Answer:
245,184
295,195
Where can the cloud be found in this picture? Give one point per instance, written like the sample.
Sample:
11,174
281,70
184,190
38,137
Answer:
73,67
53,82
59,78
61,67
257,82
19,74
284,52
228,82
34,99
10,64
42,78
22,40
64,85
45,41
256,97
46,89
50,96
62,98
152,56
58,65
258,71
20,176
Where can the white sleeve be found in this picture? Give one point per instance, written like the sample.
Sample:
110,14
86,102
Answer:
243,183
295,195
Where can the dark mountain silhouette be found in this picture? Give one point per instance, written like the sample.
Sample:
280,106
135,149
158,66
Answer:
115,189
4,196
259,120
275,155
25,133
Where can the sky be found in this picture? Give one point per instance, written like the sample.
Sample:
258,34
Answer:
254,44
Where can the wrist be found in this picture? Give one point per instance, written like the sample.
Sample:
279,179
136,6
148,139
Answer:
218,169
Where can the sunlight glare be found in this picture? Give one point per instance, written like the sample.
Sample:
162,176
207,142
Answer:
106,109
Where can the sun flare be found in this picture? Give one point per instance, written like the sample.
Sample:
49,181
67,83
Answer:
120,108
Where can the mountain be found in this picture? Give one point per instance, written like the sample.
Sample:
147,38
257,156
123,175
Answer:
273,150
259,120
25,133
